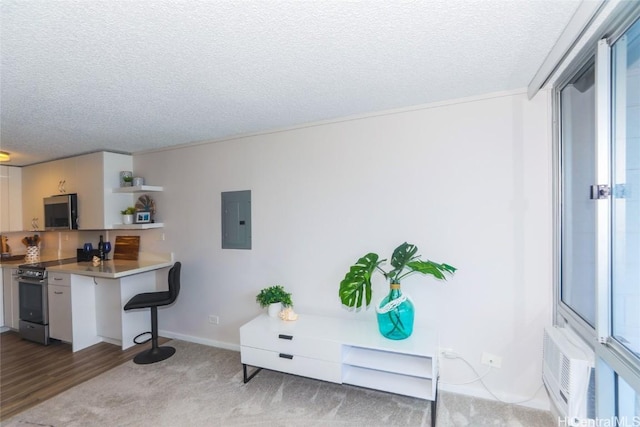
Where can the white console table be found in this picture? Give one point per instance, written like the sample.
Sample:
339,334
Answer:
343,351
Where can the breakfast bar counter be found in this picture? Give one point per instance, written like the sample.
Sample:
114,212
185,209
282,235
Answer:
99,294
112,269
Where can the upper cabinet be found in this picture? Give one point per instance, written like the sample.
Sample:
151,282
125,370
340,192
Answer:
92,176
98,207
10,199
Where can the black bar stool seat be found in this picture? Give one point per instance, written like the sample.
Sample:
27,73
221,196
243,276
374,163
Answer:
153,300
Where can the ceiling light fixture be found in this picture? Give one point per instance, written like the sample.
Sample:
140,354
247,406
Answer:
4,156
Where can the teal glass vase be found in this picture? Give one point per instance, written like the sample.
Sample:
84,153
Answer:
395,315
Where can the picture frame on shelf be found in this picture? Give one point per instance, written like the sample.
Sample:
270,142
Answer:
143,217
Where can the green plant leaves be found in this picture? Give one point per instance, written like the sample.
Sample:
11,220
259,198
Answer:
430,267
355,288
401,256
273,294
356,284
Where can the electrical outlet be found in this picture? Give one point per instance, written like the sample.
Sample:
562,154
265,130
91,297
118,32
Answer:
213,319
491,360
448,353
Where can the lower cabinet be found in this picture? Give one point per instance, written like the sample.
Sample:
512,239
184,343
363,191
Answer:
60,324
10,297
2,297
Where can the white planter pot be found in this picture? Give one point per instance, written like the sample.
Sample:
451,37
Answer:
127,219
275,309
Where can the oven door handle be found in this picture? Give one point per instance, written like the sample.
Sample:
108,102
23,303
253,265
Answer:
31,281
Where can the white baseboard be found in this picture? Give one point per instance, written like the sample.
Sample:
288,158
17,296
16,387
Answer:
198,340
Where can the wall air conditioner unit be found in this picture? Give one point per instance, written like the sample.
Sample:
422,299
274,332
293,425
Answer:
568,375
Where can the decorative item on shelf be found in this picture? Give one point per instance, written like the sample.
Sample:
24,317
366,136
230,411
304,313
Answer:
395,311
142,217
96,261
146,204
288,314
6,249
275,298
138,181
127,215
126,178
33,249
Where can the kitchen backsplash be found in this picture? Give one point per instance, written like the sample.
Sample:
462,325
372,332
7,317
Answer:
63,244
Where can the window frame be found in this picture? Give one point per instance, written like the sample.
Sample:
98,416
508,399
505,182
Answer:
612,358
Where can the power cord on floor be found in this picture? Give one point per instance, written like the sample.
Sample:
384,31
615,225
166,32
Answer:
453,355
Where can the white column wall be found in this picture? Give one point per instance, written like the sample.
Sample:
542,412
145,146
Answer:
467,181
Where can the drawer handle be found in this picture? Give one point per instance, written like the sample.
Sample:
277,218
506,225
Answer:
286,356
285,337
58,292
57,278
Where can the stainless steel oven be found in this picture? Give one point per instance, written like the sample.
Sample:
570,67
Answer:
33,303
33,300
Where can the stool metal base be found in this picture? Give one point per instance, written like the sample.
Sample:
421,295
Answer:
153,355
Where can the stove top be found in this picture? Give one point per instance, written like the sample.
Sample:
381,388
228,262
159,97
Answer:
41,266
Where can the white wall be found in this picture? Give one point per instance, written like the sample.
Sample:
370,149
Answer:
468,182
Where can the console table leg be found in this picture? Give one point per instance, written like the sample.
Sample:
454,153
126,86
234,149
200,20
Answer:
253,374
434,405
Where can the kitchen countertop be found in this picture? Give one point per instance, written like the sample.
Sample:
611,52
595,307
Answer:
112,269
11,263
17,260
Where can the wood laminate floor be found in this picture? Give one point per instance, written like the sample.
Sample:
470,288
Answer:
31,373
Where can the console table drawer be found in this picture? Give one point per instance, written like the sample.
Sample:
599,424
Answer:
292,364
291,343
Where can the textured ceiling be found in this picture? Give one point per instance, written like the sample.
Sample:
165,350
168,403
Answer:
136,75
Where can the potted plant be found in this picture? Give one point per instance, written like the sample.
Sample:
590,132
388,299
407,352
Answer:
395,311
274,297
127,180
127,215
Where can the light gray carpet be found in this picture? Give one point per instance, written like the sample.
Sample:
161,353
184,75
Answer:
202,386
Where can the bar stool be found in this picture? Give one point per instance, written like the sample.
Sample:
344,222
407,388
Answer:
153,300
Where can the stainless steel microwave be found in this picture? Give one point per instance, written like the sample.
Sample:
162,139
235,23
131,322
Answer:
61,212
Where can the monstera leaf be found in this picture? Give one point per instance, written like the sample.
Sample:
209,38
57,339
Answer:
402,255
355,288
356,284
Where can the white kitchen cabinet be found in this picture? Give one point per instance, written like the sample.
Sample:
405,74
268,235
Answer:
1,297
59,292
98,206
10,297
92,176
10,198
45,180
61,177
32,195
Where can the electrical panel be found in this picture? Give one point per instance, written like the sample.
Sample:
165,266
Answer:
236,219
